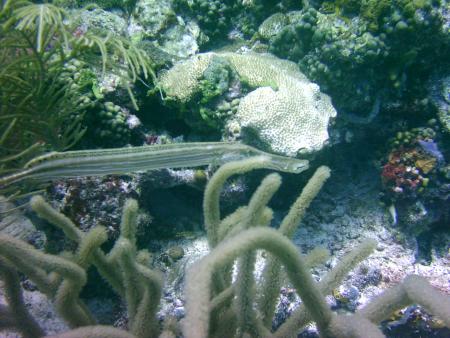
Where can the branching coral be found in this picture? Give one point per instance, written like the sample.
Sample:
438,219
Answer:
16,314
213,298
217,305
61,279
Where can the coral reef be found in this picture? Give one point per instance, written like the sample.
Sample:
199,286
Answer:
182,81
272,25
107,123
414,158
61,279
46,67
440,97
109,126
283,98
233,237
357,51
213,16
157,23
230,20
415,180
154,16
127,5
79,76
98,21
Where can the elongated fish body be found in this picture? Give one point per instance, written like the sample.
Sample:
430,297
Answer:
134,159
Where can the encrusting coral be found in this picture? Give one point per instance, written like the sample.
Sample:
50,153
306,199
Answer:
285,110
217,304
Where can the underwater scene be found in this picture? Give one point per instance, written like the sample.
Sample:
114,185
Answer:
225,169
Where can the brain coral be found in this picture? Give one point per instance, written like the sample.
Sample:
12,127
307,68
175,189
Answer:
286,111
